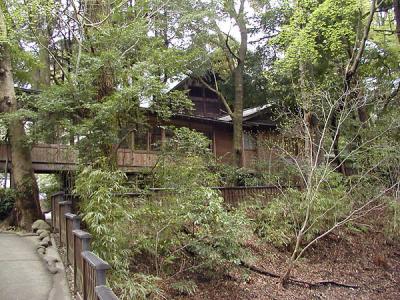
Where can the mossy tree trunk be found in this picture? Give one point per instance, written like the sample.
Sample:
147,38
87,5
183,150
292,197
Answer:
27,207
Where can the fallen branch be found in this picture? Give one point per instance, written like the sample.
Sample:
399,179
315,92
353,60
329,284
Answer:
297,281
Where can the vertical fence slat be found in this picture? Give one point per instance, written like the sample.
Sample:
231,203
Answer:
105,293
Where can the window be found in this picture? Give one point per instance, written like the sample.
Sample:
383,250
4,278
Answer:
196,91
155,139
211,94
140,140
125,138
212,108
198,107
249,141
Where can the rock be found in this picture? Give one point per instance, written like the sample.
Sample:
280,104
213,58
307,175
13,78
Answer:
39,231
40,224
44,234
53,269
51,261
45,242
41,250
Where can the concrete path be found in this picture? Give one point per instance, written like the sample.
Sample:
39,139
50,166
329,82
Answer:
23,274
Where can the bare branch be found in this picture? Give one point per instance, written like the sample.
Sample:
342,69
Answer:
220,95
355,60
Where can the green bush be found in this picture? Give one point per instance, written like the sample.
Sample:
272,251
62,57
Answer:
48,185
283,217
189,220
392,226
185,287
7,199
107,214
184,228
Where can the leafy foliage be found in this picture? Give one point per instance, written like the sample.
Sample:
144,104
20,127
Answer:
187,225
107,216
185,287
7,199
392,228
282,218
190,218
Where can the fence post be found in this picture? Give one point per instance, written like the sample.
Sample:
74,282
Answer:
72,222
92,279
55,199
104,293
64,207
81,243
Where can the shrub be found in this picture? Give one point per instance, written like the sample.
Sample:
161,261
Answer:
107,214
48,185
185,287
279,221
189,224
7,199
392,226
186,228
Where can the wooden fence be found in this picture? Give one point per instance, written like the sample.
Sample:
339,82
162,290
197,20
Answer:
89,270
233,196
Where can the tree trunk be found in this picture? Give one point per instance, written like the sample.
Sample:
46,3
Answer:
396,8
42,72
237,120
239,88
27,208
335,140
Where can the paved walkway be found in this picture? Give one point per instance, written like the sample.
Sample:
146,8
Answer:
23,274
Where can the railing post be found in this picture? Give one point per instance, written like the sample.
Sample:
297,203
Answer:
72,222
55,199
64,207
104,293
81,243
93,279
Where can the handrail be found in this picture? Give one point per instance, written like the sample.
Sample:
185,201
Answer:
89,269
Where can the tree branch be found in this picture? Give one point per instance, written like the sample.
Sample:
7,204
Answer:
355,61
220,95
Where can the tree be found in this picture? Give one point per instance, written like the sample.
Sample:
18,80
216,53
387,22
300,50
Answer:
27,207
235,54
327,48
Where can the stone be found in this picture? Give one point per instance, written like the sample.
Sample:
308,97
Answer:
45,242
53,269
41,250
40,224
44,234
51,261
39,231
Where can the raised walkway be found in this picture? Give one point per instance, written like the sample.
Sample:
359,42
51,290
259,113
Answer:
23,274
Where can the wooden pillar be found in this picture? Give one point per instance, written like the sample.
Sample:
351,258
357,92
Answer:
214,141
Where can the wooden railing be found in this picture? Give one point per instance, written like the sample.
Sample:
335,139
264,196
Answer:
50,158
89,270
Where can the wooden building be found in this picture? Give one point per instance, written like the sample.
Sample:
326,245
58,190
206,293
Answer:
141,148
210,118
